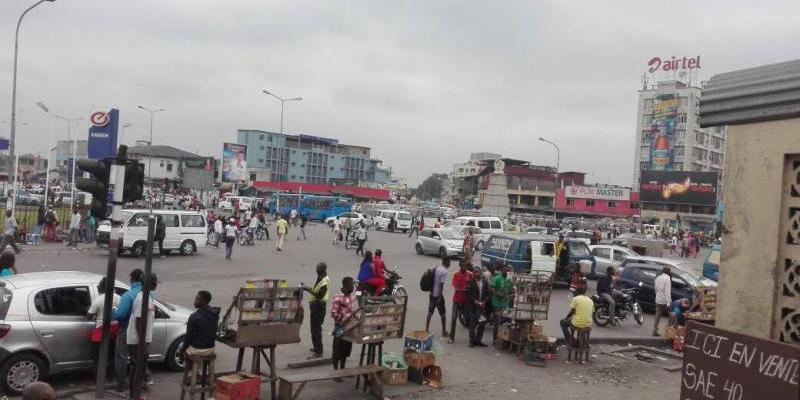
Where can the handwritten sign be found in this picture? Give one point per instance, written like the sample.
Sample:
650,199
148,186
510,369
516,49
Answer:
719,364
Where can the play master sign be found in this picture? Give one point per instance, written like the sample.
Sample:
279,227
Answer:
719,364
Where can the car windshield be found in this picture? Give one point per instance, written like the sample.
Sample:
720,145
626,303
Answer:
450,235
578,249
403,216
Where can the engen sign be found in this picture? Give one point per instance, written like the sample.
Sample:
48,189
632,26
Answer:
597,193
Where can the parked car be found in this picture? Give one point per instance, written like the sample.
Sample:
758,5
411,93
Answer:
402,220
354,218
490,225
583,236
609,255
531,252
440,241
622,240
684,282
183,231
659,261
711,264
44,330
479,236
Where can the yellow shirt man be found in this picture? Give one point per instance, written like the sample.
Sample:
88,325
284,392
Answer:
282,225
584,308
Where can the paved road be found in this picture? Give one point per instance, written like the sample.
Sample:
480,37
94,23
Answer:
183,276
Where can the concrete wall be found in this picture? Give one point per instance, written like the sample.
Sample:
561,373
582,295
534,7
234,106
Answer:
752,260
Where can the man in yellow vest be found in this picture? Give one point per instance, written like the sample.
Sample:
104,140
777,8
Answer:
317,306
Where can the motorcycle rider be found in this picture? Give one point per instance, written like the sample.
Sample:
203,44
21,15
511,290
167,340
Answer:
377,280
605,289
252,227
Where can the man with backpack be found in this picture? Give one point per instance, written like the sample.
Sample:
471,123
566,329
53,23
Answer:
433,281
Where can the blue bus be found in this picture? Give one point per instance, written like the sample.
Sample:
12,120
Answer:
313,207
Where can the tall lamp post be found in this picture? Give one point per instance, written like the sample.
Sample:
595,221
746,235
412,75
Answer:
150,151
283,101
69,122
49,150
13,136
122,131
558,161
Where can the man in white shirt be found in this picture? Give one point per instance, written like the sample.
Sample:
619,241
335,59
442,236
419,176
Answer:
135,323
218,231
663,287
74,227
9,230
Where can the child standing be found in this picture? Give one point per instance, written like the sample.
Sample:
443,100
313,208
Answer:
341,309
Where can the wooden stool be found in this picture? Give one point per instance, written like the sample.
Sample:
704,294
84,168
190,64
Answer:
199,364
579,344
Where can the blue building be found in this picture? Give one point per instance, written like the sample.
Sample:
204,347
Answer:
311,159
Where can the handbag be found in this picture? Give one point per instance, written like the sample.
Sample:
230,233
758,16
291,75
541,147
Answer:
97,332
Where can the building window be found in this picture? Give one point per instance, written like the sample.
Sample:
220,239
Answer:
634,205
678,151
570,201
682,118
612,204
645,137
261,138
270,139
589,202
645,152
252,177
169,167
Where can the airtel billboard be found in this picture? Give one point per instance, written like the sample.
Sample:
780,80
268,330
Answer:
673,63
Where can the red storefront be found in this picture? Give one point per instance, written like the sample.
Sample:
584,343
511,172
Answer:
597,201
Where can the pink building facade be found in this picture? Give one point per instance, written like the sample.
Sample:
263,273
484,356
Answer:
597,201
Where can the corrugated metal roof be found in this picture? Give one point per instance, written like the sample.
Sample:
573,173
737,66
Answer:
162,151
765,93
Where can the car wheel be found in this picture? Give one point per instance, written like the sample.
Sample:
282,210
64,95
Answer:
418,248
443,253
405,230
20,371
172,361
330,224
188,247
138,249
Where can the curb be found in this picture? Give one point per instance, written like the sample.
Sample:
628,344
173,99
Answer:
625,341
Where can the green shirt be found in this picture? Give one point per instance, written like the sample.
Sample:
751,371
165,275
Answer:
500,285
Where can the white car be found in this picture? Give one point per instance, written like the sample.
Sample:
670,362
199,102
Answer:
440,241
609,256
355,218
402,220
184,230
583,236
479,237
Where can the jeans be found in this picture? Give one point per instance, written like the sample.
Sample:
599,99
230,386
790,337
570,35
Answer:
457,308
8,240
475,327
612,305
317,309
73,237
89,234
133,351
360,249
661,310
161,246
121,359
302,233
566,326
229,246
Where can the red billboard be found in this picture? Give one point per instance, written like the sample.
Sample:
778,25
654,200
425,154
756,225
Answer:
679,187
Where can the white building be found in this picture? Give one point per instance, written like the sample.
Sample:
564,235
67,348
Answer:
166,161
695,148
460,170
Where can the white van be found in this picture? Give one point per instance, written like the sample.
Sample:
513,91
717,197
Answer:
183,231
244,202
489,225
402,220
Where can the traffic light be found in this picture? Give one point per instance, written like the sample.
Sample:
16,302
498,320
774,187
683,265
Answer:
98,185
134,181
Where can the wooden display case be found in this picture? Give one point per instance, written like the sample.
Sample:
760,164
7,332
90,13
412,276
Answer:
377,319
264,313
532,296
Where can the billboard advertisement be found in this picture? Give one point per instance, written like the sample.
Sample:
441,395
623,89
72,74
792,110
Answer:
234,162
662,131
679,187
597,193
103,134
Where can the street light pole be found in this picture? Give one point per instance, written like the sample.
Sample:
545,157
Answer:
13,136
283,102
49,150
150,151
69,122
558,162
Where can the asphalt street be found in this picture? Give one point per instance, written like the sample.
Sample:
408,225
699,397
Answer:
182,276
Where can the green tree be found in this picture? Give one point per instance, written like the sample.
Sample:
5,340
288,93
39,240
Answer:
431,187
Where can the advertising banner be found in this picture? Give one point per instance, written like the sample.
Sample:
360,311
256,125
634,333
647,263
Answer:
679,187
103,134
234,162
662,131
598,193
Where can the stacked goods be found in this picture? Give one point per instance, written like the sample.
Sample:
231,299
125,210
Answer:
420,358
264,312
419,341
395,369
532,296
707,300
377,319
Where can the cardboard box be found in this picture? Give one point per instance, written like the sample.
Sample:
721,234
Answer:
237,386
419,360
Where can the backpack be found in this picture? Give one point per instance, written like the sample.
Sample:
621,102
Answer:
426,282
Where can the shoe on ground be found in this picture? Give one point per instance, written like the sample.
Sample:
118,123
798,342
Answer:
314,356
149,382
481,344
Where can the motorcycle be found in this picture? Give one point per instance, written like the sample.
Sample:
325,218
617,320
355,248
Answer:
393,286
247,238
260,230
626,305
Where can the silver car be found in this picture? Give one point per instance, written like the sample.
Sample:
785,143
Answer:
440,241
44,329
609,256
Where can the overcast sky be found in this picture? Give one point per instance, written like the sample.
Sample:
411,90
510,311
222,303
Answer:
423,83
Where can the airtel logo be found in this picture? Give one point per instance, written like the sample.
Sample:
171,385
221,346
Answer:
673,63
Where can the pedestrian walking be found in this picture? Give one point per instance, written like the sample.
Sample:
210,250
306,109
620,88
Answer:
74,228
282,227
91,225
460,280
230,238
8,264
122,315
436,298
361,239
341,309
219,231
477,296
469,245
337,230
160,235
663,288
140,334
303,221
347,227
95,314
9,232
673,245
317,305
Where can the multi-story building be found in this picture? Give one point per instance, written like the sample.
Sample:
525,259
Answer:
311,159
61,156
471,167
172,164
669,138
597,201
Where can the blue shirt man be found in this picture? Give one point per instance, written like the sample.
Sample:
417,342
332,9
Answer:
122,315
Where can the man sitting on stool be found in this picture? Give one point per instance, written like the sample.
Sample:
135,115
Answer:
580,313
201,328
